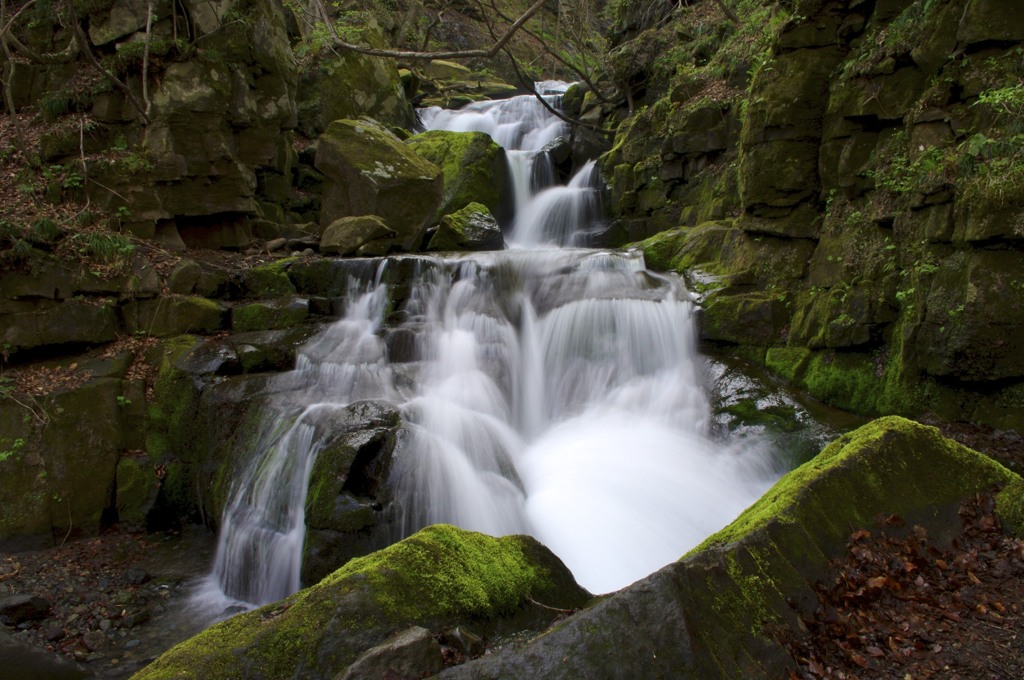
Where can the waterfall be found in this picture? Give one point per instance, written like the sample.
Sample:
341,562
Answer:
556,391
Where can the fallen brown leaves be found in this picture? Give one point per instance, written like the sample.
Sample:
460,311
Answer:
902,606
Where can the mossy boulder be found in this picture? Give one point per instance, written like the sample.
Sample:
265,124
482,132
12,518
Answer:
351,85
32,324
474,167
471,228
269,315
348,493
369,171
347,235
58,462
727,609
175,315
435,579
269,280
136,490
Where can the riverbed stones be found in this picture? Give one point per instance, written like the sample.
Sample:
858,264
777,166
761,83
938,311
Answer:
369,171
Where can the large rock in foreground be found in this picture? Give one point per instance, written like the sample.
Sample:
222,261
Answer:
436,579
720,612
370,171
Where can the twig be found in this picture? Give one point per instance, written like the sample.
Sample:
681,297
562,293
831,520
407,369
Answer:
71,524
554,609
104,186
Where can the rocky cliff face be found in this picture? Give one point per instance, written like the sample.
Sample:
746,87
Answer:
842,182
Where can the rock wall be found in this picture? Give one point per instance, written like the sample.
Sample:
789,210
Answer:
845,194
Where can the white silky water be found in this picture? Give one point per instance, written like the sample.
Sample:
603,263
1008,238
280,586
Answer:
554,391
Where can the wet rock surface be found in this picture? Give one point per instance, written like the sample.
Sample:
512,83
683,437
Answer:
112,602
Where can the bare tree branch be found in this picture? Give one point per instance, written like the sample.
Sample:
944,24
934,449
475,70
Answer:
564,62
528,85
414,54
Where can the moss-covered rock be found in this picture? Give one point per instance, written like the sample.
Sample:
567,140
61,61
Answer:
963,336
346,235
58,461
369,171
269,280
265,316
351,85
348,494
175,315
474,167
437,578
471,228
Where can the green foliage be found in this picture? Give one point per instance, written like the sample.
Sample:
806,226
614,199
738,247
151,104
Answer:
13,447
45,230
113,249
53,105
889,41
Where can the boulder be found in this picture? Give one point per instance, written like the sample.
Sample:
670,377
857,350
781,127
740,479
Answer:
347,235
435,579
175,315
29,662
43,323
369,171
474,166
347,487
265,316
727,609
350,86
412,653
471,228
137,485
15,609
57,475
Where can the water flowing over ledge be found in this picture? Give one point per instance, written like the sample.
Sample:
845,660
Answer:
548,390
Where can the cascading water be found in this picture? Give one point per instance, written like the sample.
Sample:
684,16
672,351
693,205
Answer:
556,392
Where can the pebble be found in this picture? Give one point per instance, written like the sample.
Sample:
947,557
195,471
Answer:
94,640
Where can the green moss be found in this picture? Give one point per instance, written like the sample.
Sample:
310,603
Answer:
473,165
170,414
1010,507
787,362
436,577
261,316
891,465
845,379
269,280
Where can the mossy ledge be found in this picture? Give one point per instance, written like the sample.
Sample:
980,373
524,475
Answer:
721,611
437,578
